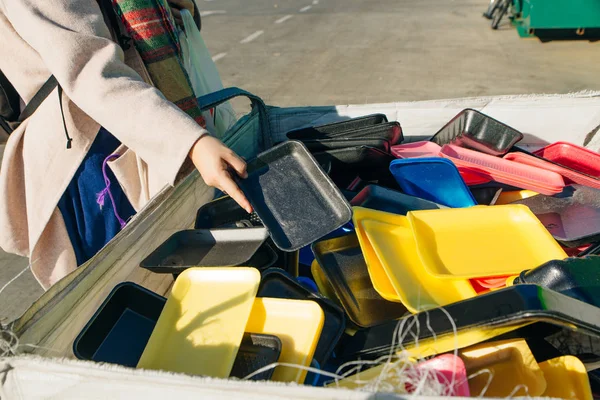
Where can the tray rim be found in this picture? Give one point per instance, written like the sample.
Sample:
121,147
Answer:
365,244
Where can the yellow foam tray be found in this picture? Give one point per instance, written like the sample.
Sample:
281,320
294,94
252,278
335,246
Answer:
566,378
297,323
515,195
202,324
479,242
394,252
508,366
379,277
426,348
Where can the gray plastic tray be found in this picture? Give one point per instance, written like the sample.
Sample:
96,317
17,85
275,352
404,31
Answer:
293,197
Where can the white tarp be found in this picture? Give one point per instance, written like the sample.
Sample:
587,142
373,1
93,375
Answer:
28,378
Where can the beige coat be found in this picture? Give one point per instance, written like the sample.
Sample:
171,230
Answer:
43,37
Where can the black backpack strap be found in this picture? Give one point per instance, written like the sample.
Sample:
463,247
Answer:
9,107
41,95
110,16
38,98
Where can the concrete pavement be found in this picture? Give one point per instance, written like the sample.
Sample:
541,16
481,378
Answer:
351,51
314,52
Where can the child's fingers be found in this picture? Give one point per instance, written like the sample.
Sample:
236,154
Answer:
228,185
237,163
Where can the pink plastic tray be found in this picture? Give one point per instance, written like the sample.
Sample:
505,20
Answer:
572,156
569,175
416,149
430,149
505,171
448,369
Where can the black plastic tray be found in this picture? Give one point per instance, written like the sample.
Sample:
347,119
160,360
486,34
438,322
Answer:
486,196
572,217
342,262
575,277
256,351
338,127
119,330
473,129
266,256
382,199
319,145
225,212
495,185
349,194
205,248
505,307
294,198
365,162
391,132
278,284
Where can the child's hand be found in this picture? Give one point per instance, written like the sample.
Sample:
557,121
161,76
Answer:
214,160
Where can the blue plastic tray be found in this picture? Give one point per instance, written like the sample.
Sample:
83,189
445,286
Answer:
383,199
435,179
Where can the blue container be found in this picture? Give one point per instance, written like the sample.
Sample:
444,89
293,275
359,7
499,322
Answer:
383,199
435,179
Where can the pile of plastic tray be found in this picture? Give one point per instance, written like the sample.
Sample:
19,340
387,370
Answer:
357,238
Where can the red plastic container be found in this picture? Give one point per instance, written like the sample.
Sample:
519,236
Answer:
493,282
505,171
473,178
575,251
572,156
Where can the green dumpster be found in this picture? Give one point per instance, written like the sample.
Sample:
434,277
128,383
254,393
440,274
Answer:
548,17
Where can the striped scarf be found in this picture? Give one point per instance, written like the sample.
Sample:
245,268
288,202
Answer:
152,29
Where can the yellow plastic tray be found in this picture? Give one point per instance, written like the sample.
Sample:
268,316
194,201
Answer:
515,195
379,277
322,282
297,323
510,363
479,242
201,326
394,245
391,256
566,378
